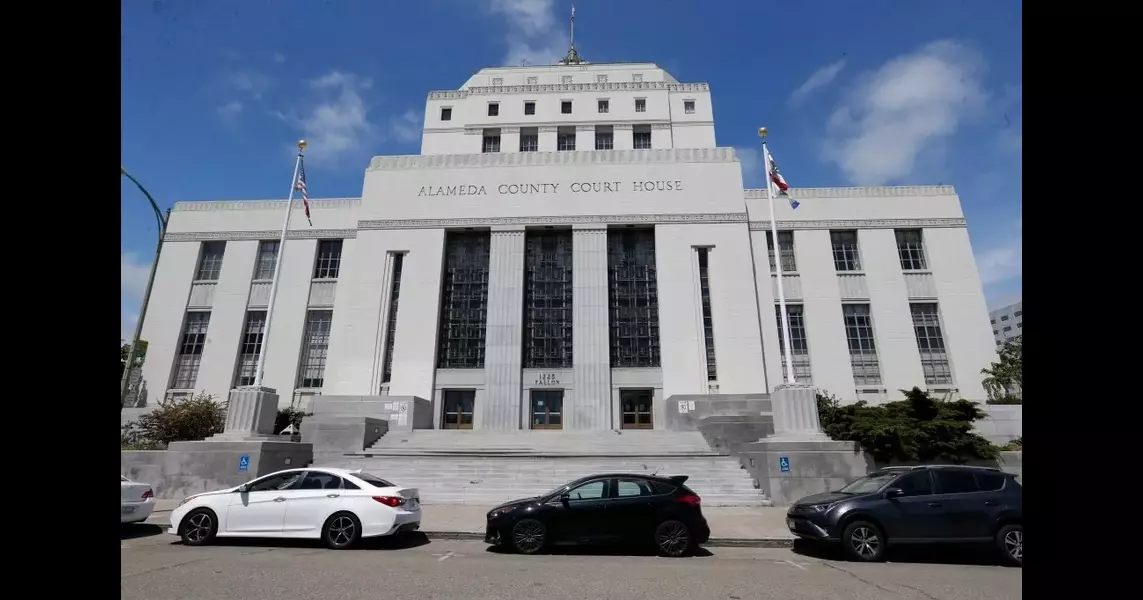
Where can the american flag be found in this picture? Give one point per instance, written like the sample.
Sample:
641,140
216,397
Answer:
302,188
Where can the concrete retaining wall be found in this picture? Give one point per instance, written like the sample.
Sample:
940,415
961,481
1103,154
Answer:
188,468
1005,423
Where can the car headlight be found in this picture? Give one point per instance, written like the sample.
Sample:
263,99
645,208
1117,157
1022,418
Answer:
501,511
185,500
820,508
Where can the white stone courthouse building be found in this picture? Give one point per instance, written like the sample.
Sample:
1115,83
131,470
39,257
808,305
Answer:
570,250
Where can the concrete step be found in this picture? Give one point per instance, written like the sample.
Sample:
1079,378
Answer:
601,443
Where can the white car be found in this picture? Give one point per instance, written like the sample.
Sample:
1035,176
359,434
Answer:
137,499
337,505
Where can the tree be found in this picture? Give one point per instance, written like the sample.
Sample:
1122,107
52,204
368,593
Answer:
1006,375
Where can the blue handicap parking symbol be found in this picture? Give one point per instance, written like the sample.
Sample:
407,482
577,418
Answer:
784,463
243,463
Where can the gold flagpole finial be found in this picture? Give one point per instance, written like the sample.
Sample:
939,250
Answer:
762,132
302,145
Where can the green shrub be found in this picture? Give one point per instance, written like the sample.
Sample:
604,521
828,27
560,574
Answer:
1006,400
290,416
181,420
131,437
1016,445
918,429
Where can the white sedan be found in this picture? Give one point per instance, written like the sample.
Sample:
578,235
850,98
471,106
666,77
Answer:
337,505
137,500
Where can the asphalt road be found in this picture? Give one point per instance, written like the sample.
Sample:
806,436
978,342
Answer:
155,565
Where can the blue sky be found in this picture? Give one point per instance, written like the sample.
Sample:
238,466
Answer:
878,92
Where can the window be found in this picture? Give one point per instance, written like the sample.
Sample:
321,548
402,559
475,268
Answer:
565,79
592,490
862,348
689,107
316,480
910,249
464,301
267,256
990,482
446,114
845,254
799,346
529,108
531,80
995,332
493,109
630,488
917,483
315,348
497,81
328,262
641,137
1008,328
604,106
637,77
993,321
640,105
250,347
1019,325
1018,313
956,481
566,107
210,261
277,483
190,350
391,335
529,139
548,299
601,78
348,485
565,138
633,298
785,248
707,318
374,480
1004,318
604,137
491,141
930,343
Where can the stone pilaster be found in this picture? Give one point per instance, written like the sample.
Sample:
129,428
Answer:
250,415
796,413
590,404
500,407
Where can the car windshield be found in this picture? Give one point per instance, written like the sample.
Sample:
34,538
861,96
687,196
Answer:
870,483
558,489
373,480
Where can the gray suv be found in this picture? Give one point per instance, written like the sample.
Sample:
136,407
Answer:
916,505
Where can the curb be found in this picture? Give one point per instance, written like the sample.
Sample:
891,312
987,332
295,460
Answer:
472,536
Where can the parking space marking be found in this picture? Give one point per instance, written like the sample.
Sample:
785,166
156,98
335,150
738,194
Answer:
795,564
447,555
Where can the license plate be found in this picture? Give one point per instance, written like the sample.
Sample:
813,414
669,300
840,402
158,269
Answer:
128,510
790,524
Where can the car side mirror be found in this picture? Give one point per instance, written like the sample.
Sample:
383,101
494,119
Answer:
242,489
564,498
894,493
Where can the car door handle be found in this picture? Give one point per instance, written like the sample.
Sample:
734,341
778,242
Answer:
280,499
935,504
332,495
990,503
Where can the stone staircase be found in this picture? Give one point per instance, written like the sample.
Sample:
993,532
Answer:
486,468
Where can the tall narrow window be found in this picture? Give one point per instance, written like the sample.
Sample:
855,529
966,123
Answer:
191,345
930,343
210,261
548,300
391,334
862,348
845,254
267,256
328,262
707,318
799,346
491,141
633,296
250,347
604,137
641,137
315,349
529,139
910,249
565,139
464,301
785,248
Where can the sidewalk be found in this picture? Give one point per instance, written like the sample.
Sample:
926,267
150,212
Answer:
761,527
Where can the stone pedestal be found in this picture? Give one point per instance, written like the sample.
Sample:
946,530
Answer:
795,409
250,415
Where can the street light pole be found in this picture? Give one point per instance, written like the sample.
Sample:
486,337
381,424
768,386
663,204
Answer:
124,384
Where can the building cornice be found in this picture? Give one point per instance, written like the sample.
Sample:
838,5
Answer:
269,234
861,192
861,224
618,86
537,159
324,203
645,219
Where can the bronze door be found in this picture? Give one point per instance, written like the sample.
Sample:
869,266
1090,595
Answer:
458,405
636,406
547,409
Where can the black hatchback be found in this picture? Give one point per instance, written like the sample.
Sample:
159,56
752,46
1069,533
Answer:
612,508
916,505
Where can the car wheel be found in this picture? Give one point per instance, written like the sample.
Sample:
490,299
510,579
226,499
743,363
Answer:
673,538
341,531
198,527
863,541
529,536
1010,540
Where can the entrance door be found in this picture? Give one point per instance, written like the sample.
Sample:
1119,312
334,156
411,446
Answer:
547,409
636,408
458,406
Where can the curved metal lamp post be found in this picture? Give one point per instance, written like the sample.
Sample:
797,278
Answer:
124,384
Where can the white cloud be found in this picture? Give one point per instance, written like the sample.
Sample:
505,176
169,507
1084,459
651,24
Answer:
336,123
533,34
821,78
909,106
133,273
230,110
407,127
1003,261
255,84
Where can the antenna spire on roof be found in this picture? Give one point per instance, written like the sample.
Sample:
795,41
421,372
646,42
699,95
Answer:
573,57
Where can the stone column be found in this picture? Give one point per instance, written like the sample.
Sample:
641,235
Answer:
622,137
546,138
590,406
500,408
796,418
585,137
250,415
509,139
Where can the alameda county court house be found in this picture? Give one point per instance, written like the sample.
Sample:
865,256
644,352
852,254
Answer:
571,249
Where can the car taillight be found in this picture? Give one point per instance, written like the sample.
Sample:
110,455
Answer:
393,501
148,494
690,499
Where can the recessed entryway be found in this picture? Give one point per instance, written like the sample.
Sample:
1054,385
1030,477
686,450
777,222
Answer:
547,409
636,409
457,409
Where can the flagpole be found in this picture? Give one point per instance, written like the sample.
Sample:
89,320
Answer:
777,260
277,268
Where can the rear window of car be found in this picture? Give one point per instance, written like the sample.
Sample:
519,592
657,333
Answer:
990,482
956,481
663,488
374,480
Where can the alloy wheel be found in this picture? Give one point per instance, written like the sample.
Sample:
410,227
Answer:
341,531
673,538
197,527
528,536
1014,544
865,542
